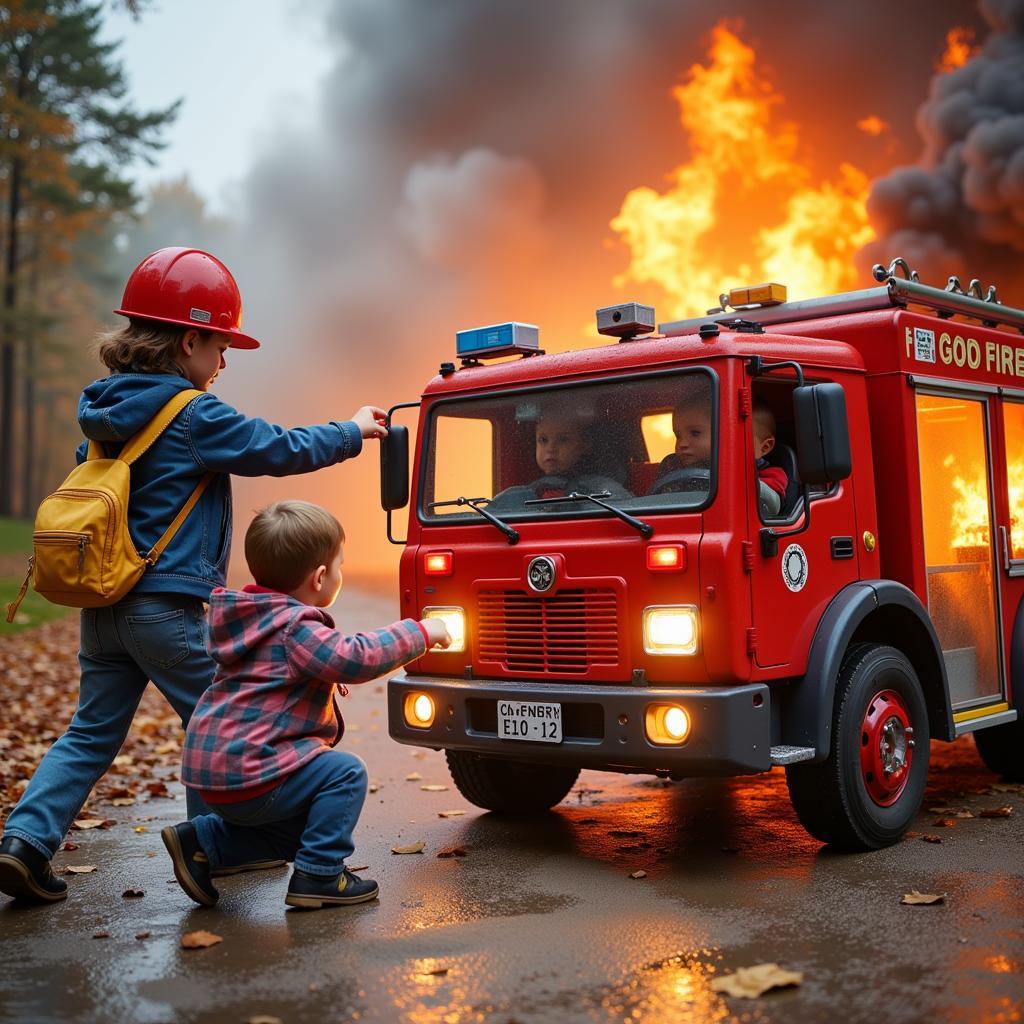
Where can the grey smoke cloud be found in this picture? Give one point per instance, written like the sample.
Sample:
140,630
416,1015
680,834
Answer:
469,155
960,209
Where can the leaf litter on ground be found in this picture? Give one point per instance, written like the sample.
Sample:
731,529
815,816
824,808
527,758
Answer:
751,982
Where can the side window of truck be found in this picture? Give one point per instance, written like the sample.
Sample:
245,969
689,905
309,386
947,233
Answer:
772,436
463,451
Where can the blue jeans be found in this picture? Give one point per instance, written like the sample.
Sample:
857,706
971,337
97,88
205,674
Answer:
144,637
308,818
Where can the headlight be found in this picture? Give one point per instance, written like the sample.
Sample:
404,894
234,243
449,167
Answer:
455,621
670,629
419,710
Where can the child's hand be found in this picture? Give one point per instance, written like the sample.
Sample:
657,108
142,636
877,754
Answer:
437,633
371,421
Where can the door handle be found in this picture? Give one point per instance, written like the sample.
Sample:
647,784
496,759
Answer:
1004,545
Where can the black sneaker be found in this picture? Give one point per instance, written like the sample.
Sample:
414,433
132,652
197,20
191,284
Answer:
252,865
191,865
313,892
25,873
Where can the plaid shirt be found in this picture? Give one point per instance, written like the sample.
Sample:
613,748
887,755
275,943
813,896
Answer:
271,706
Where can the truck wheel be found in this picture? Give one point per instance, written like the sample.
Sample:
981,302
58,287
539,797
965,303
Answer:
1002,749
512,787
868,790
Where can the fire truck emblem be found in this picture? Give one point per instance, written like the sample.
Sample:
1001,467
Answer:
794,567
540,574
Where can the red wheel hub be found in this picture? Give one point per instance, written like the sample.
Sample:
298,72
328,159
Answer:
886,747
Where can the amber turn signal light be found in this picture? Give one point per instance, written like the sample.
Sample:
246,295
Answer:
418,710
438,563
666,557
666,724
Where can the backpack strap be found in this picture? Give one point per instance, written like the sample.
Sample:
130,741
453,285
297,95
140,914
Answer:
140,443
158,548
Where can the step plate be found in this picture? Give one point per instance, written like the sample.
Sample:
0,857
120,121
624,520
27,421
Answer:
791,755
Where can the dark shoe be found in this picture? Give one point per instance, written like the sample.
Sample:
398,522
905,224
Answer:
316,891
253,865
25,873
191,865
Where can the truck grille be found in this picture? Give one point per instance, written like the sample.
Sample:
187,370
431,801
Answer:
567,633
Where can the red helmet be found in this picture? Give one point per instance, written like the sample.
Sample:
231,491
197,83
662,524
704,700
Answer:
187,287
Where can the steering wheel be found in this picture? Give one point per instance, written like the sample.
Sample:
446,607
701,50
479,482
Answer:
689,479
549,483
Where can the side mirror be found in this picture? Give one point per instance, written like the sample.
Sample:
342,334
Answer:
822,433
394,469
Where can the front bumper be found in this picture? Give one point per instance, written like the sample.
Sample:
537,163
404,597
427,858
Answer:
602,726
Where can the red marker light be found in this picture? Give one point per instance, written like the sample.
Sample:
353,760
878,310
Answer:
666,557
438,563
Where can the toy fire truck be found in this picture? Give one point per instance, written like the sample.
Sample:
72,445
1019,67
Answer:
633,604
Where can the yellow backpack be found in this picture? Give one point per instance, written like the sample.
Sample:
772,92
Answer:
83,555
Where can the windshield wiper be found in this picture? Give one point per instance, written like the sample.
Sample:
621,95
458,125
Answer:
474,504
638,524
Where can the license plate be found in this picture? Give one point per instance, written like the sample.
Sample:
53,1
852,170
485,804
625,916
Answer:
525,720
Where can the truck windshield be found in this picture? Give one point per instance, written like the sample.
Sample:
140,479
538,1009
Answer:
645,444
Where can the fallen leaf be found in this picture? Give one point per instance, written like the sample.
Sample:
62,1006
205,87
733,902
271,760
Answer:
1006,787
932,839
450,814
451,851
638,874
374,787
411,848
750,982
69,846
131,894
263,1018
101,935
943,823
435,972
995,812
434,788
86,823
79,869
199,940
915,898
142,935
413,777
360,867
123,801
167,748
140,829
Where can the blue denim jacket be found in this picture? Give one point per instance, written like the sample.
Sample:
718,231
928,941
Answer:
207,435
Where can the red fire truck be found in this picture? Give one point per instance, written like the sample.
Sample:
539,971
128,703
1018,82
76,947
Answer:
634,604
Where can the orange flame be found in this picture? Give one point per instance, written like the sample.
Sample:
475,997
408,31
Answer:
960,49
743,167
873,125
969,513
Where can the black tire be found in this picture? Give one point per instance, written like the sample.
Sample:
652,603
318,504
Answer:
832,797
512,787
1002,749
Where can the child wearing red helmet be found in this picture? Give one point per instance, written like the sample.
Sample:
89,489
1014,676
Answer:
184,311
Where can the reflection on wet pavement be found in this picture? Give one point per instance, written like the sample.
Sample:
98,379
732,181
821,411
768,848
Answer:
540,922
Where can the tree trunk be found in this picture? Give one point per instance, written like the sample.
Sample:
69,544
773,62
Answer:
28,465
7,361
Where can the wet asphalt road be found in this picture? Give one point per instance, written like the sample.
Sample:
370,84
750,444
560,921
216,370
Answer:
540,921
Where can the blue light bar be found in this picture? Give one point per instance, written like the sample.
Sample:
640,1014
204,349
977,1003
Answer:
497,340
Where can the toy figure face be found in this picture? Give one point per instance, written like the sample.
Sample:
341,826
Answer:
560,444
692,427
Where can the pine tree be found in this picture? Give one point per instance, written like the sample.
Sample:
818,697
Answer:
67,133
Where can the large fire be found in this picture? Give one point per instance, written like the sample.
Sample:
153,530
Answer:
744,168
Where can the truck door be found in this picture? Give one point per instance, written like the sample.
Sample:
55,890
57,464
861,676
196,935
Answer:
792,587
955,455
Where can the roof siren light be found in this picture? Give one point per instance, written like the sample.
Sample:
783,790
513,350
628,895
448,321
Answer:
626,320
498,340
